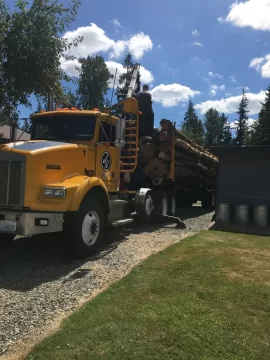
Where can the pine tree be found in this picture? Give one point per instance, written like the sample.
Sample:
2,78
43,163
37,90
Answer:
199,133
261,135
192,127
93,83
242,120
226,135
71,98
214,127
27,126
125,78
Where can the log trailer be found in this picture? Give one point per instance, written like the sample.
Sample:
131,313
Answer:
79,173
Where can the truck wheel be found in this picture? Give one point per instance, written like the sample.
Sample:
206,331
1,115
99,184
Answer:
161,203
88,228
6,239
171,201
145,211
172,205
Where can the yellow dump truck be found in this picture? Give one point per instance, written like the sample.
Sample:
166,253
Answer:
77,174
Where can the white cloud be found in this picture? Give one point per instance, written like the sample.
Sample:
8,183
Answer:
213,75
217,87
70,68
262,65
159,46
233,79
230,105
256,63
96,41
116,24
214,88
197,43
195,32
251,13
139,44
172,94
251,121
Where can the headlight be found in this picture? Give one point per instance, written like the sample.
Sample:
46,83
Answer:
57,192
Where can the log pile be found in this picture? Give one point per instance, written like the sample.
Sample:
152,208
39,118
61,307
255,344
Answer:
193,164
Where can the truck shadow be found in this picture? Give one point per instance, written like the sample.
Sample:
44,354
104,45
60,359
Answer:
32,261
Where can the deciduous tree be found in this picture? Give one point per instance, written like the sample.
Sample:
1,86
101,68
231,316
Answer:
31,47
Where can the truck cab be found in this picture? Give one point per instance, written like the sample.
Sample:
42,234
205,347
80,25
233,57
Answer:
71,177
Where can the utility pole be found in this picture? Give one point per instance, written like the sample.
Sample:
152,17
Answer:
50,100
13,128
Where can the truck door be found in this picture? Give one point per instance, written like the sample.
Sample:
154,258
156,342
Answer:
108,157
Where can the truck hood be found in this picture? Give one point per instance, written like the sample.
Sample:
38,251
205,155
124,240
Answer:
36,146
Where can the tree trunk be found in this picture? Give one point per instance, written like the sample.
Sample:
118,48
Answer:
147,152
193,164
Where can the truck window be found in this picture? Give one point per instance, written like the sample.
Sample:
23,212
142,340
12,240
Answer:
64,127
106,132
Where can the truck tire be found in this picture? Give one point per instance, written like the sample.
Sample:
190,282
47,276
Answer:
145,211
171,203
87,228
6,239
161,203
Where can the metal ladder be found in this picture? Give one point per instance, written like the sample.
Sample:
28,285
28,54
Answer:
129,153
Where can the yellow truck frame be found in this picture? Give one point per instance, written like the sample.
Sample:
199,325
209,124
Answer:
78,187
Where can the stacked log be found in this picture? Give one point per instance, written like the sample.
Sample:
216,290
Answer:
192,162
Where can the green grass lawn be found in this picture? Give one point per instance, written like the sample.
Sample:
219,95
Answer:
207,297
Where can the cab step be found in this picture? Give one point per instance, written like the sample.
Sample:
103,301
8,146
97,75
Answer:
122,222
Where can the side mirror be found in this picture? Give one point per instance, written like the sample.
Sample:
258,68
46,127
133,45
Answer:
120,141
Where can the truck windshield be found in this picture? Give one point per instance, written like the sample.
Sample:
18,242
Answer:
64,128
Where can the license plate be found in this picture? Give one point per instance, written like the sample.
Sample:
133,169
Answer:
9,226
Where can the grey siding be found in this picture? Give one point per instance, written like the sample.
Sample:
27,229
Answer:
244,175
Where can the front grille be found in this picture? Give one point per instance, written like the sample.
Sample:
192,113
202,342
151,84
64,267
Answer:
10,182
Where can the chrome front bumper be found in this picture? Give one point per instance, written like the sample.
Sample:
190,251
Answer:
30,223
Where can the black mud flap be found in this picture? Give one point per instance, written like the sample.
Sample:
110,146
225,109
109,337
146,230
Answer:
173,219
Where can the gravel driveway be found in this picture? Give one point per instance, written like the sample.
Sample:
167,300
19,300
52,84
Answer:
40,283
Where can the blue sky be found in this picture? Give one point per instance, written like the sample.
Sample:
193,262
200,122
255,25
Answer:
204,50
